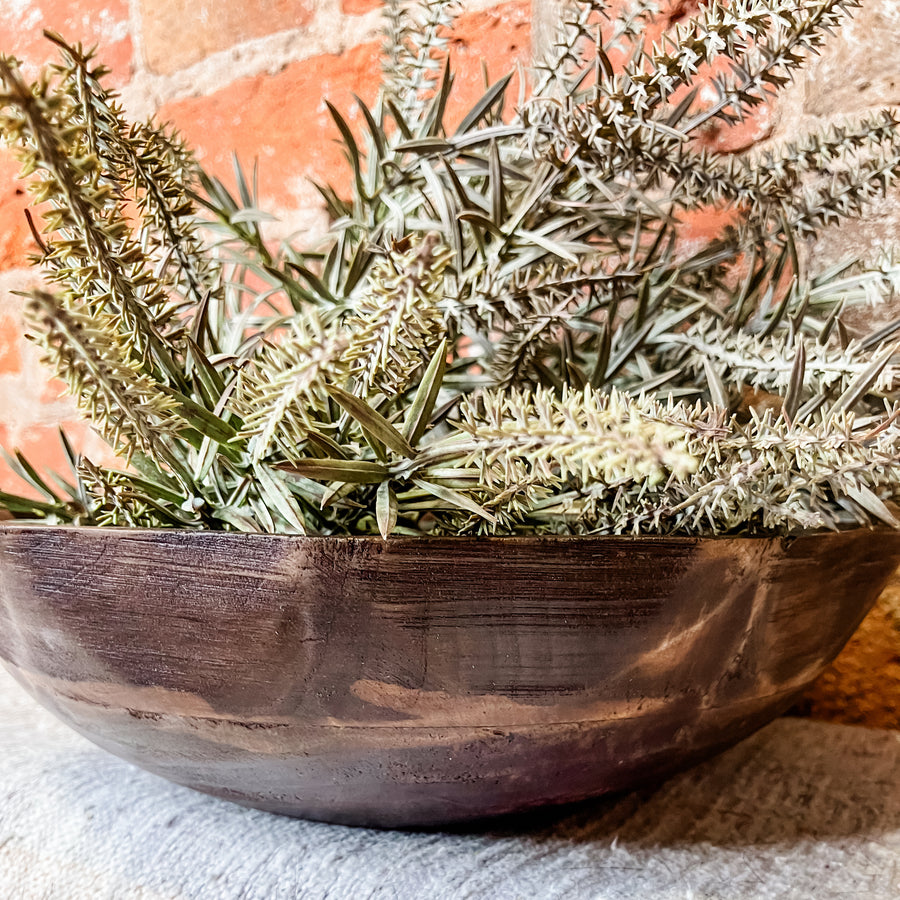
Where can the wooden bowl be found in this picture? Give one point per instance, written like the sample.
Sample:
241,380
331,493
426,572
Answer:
423,681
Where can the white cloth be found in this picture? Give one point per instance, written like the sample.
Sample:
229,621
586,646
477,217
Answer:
800,810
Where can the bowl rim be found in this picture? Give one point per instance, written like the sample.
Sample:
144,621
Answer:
15,527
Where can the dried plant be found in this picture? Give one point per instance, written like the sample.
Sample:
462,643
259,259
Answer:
504,330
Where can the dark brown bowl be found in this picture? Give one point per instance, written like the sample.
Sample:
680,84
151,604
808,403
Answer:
423,681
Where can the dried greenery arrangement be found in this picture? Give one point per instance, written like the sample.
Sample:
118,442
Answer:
503,332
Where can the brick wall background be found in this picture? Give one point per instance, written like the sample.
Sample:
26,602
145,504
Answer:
249,76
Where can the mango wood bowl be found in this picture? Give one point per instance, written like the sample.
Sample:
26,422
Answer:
423,681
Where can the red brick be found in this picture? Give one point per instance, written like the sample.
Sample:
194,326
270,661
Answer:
10,337
280,119
103,24
698,227
358,7
283,121
41,446
37,445
499,37
676,11
15,238
724,138
178,34
53,390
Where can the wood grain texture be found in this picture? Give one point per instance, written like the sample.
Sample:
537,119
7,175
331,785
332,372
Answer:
423,681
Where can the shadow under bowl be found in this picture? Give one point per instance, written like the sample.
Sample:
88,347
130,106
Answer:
419,682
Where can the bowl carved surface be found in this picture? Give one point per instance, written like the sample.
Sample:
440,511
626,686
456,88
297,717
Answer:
423,681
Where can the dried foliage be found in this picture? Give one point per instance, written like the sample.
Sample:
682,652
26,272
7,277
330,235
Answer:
504,330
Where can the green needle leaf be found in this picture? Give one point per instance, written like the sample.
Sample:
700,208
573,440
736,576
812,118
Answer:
455,498
355,471
420,410
372,421
386,509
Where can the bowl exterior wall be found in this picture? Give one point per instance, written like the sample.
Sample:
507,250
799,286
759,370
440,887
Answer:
423,681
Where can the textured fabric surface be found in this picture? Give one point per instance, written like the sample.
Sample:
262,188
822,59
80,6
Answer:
800,810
